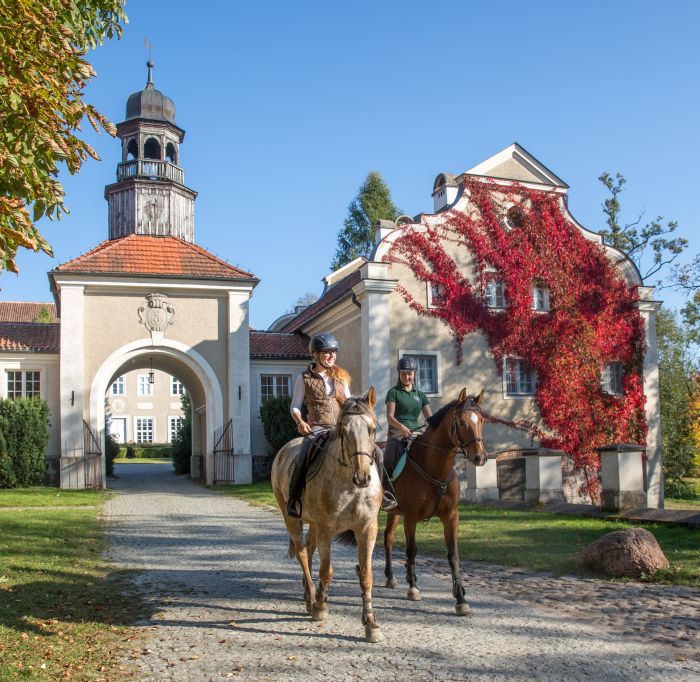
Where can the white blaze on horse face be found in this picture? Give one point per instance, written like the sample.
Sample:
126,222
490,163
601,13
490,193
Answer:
474,418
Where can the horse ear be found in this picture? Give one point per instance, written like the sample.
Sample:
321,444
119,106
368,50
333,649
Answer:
478,398
462,395
371,396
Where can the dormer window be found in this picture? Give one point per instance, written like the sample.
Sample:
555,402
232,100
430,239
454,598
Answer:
495,293
540,298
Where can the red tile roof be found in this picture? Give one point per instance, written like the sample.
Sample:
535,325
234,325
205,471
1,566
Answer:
269,345
30,336
141,254
332,295
24,311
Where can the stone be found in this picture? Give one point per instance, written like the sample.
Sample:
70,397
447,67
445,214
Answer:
631,552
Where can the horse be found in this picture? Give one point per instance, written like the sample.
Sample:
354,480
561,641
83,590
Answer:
428,486
344,496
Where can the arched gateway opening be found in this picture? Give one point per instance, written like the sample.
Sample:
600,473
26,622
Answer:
190,368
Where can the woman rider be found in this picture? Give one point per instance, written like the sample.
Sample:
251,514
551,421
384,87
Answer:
404,403
323,387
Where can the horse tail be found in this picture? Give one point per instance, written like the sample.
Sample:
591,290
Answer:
346,538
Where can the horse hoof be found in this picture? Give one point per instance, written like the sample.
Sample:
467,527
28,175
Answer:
462,609
373,635
414,594
319,614
392,583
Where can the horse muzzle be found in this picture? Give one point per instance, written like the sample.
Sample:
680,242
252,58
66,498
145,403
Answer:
361,479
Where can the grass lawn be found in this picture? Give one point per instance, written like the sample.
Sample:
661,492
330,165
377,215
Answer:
144,460
534,540
686,503
63,612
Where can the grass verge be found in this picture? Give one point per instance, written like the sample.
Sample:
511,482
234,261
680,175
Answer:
63,613
143,460
534,540
686,502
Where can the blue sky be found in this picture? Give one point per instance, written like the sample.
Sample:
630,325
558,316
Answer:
288,105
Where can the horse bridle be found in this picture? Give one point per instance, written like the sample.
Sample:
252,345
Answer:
455,428
345,457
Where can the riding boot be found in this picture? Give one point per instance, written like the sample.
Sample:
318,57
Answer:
388,500
296,484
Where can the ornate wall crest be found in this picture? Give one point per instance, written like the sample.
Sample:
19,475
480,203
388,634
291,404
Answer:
156,314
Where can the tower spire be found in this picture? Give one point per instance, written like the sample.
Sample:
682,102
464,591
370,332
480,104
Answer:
149,83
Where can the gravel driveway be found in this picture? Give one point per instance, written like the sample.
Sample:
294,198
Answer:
226,603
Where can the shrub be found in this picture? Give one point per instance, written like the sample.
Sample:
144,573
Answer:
112,451
130,452
24,431
278,424
181,447
146,450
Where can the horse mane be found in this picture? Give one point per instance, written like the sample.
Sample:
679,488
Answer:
433,421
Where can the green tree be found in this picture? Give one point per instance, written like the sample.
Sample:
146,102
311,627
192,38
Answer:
676,398
634,240
278,424
44,316
43,74
372,203
687,278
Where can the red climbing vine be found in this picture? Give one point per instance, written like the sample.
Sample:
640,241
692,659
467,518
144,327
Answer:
522,238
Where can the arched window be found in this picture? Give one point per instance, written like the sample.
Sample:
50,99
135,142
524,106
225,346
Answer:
132,150
171,153
151,150
515,217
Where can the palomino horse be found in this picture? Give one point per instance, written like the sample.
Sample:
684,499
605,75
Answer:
345,495
428,487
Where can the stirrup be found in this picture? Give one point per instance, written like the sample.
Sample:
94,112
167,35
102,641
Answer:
388,501
293,508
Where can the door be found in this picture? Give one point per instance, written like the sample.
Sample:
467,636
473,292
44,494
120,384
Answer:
117,428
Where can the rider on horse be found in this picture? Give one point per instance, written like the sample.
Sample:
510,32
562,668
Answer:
404,404
323,387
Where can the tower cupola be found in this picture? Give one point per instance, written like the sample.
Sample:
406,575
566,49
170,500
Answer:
150,196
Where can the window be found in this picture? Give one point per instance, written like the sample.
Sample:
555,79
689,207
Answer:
611,379
144,429
274,386
540,298
174,425
520,378
515,217
495,292
143,386
176,387
23,384
118,387
435,292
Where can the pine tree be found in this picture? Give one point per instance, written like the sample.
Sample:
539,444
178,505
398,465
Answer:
372,203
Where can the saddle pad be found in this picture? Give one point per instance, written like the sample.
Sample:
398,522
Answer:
317,452
399,467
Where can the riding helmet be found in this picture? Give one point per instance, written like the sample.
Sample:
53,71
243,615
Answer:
407,364
323,341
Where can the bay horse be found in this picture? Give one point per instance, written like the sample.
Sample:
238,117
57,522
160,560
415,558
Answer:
345,495
428,487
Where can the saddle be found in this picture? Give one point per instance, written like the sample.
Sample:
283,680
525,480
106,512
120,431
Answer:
316,449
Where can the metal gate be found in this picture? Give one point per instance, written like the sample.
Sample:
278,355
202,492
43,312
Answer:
223,454
83,469
511,478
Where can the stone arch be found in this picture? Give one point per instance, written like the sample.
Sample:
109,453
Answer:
151,149
171,153
172,356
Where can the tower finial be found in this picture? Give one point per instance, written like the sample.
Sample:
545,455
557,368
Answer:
149,63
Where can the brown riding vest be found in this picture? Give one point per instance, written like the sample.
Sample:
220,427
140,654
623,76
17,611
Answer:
323,409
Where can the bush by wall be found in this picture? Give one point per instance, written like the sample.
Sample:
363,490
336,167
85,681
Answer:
278,424
181,447
112,451
145,450
24,436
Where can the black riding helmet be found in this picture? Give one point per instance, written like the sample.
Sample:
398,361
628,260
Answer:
407,364
323,341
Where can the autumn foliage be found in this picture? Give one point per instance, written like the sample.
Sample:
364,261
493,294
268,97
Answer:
523,237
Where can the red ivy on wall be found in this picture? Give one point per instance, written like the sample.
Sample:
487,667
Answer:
593,317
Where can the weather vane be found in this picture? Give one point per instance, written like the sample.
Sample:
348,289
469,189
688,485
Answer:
148,46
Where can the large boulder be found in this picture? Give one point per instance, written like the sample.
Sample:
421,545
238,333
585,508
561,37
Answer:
629,552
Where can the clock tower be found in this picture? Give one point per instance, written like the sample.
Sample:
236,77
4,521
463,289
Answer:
150,196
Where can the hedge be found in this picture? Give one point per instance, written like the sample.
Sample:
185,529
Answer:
146,450
24,436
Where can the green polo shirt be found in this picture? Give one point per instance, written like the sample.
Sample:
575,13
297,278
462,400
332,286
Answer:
408,404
